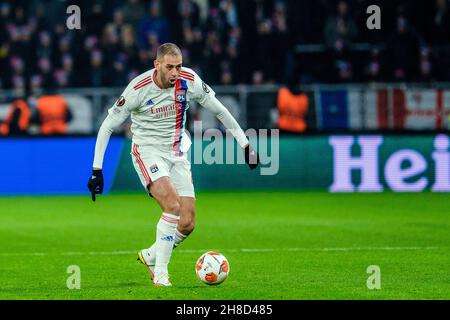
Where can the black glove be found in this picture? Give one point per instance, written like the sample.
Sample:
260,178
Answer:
251,157
95,183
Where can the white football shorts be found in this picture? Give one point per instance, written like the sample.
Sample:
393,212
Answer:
153,162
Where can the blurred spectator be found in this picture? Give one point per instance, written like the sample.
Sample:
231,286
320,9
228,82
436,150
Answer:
230,12
5,11
18,85
226,77
64,46
145,59
64,77
227,41
110,46
118,25
96,19
45,70
17,80
257,77
52,114
373,68
154,28
17,120
340,30
129,47
189,9
20,35
213,53
233,49
36,85
86,49
439,23
292,108
44,47
188,31
17,66
279,44
263,41
119,71
133,12
344,69
402,50
216,21
340,65
426,68
96,72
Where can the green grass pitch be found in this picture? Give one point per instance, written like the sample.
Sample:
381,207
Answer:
280,245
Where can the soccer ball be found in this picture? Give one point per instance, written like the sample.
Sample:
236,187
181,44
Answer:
212,268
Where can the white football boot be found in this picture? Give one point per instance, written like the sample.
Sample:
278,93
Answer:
162,280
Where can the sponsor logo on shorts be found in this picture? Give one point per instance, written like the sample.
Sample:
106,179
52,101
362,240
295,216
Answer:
154,168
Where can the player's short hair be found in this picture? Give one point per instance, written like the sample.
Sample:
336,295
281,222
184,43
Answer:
167,48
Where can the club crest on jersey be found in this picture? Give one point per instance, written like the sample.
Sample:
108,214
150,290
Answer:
180,95
120,102
154,168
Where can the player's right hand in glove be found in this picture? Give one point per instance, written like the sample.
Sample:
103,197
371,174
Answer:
251,157
95,183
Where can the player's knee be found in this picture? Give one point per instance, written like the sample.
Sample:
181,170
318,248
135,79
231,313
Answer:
172,207
190,226
186,226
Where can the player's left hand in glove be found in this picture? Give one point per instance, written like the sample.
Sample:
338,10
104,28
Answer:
95,183
251,157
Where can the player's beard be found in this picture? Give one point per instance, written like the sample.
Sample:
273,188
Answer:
165,80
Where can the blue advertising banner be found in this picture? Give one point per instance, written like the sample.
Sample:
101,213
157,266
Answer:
53,165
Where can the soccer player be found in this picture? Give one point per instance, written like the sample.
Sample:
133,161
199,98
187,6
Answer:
157,101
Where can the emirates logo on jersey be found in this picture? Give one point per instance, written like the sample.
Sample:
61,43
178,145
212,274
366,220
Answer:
164,112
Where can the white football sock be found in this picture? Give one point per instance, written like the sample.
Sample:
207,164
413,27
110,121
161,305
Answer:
165,237
179,238
150,253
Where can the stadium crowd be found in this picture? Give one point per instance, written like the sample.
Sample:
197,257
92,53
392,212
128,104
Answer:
225,41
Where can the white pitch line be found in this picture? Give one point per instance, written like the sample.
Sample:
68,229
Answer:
243,250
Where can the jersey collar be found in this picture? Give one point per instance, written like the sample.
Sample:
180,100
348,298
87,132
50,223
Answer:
155,72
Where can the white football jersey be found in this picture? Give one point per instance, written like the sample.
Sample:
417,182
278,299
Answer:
158,115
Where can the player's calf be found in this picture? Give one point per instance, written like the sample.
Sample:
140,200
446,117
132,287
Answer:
184,229
187,220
